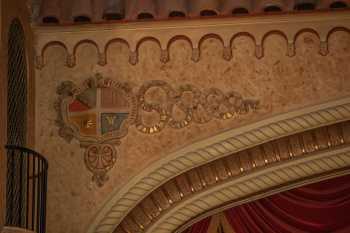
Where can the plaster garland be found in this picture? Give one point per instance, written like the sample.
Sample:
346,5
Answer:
195,31
232,141
100,113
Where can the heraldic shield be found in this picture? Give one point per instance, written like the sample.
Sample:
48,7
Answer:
98,116
100,113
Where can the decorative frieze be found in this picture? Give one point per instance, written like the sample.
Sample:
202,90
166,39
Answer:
100,113
195,31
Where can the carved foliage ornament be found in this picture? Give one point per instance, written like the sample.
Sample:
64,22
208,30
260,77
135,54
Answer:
100,113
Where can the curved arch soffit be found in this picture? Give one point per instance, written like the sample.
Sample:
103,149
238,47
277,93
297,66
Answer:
122,201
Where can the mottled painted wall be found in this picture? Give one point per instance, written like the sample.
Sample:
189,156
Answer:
281,83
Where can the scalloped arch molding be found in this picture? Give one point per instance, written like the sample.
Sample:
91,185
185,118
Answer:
231,141
195,31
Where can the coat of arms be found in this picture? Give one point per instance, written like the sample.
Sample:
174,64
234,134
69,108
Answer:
98,116
100,113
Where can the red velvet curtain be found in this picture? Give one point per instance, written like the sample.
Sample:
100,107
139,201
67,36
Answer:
323,208
200,227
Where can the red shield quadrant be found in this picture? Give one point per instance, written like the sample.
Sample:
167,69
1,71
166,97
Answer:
99,111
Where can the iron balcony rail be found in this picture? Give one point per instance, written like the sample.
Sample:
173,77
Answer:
26,189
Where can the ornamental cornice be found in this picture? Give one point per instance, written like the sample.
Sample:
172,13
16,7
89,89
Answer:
258,28
269,156
232,141
288,175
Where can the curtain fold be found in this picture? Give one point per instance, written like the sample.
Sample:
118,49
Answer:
200,227
318,208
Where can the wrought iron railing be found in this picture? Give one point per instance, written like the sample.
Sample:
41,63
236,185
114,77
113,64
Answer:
26,189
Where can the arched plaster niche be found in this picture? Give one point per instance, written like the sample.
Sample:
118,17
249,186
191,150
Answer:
115,50
211,46
274,44
148,51
85,51
338,40
307,43
244,41
179,48
41,59
122,201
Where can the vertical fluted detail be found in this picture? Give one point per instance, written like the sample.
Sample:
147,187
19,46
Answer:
136,8
198,6
229,5
260,5
50,8
114,9
166,7
82,8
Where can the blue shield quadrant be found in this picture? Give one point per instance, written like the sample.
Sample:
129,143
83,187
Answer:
111,122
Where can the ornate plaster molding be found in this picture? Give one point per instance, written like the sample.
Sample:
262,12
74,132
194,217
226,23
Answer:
245,186
224,170
195,31
232,141
290,185
100,113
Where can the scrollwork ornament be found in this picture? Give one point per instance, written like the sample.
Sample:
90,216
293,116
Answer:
99,159
99,114
214,99
191,104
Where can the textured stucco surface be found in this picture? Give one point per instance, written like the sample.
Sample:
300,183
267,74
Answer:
280,82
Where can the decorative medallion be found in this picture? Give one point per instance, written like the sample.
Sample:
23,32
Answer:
100,113
98,116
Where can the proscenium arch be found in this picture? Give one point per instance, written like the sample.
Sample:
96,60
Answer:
124,200
267,193
328,165
266,160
